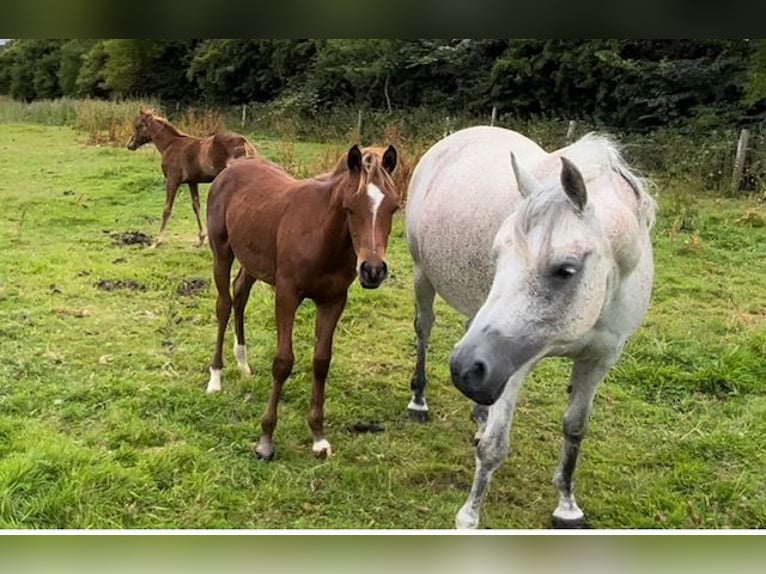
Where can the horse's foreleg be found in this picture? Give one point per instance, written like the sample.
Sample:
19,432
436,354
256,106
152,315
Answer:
194,190
585,378
221,273
242,285
171,187
491,450
287,302
328,314
424,320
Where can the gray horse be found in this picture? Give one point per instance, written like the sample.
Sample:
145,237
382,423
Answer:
547,254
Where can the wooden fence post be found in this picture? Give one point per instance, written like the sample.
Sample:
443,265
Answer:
359,124
244,115
739,160
494,116
571,131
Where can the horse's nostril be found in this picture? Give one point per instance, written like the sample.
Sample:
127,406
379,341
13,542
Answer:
476,372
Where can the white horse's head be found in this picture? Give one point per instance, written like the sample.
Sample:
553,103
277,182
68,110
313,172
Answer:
553,274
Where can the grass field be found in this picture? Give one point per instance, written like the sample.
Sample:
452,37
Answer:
105,348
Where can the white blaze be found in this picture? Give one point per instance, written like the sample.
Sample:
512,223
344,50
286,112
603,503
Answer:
376,198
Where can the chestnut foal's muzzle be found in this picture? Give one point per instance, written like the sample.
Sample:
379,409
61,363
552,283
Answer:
371,275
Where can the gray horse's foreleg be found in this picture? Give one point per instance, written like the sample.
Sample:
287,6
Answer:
424,320
491,450
585,378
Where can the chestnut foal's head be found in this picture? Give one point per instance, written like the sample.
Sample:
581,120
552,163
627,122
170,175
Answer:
370,207
141,134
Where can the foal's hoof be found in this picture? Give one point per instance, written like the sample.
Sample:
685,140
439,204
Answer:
322,449
264,452
571,524
417,415
200,241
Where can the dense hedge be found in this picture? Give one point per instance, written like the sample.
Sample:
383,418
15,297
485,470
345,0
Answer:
637,85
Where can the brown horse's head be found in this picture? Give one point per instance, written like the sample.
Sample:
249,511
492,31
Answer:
370,199
141,133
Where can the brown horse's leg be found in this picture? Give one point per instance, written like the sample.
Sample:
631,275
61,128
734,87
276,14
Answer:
328,314
224,257
242,285
194,190
287,302
171,187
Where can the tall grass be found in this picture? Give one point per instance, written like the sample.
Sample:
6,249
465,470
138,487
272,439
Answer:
698,156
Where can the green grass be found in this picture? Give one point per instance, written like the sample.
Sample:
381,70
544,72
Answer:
104,422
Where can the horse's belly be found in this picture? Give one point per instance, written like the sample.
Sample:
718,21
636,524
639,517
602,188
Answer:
460,193
458,263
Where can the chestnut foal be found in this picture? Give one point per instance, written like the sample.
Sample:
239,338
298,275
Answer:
186,159
309,239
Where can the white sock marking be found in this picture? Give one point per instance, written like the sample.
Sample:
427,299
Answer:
214,385
413,406
568,509
240,353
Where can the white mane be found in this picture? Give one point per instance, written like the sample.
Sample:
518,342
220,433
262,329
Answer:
595,154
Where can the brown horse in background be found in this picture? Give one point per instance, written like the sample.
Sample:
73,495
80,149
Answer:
309,239
186,159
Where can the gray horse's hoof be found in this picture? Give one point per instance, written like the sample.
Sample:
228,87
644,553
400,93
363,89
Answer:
417,415
576,524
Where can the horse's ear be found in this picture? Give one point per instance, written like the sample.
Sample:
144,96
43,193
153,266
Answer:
526,182
573,184
389,159
354,159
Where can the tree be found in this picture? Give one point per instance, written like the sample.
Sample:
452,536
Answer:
91,79
755,85
73,53
154,68
30,69
243,71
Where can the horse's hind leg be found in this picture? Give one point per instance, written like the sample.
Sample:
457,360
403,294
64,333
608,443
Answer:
194,190
585,378
223,258
242,285
424,320
491,450
328,314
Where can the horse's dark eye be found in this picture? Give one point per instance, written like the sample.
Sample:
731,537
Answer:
564,271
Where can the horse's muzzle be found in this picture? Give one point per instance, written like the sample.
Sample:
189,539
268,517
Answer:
131,145
372,275
480,366
474,377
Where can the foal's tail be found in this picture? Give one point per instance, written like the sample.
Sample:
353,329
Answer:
249,149
243,149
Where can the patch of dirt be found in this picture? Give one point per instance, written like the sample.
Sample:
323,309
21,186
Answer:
118,284
370,427
130,238
193,286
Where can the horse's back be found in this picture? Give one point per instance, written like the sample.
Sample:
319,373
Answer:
460,192
245,205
